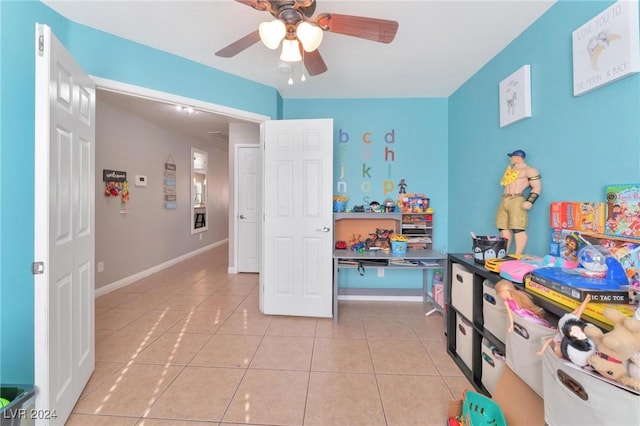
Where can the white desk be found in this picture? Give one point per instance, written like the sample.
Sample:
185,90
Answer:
430,260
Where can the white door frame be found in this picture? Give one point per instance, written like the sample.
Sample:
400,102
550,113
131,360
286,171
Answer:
143,92
236,194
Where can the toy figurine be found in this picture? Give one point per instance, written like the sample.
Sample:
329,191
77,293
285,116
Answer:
519,302
571,343
512,216
403,187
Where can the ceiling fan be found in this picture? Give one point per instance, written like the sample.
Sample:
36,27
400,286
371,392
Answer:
301,34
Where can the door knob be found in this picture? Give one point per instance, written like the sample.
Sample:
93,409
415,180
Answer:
242,216
324,229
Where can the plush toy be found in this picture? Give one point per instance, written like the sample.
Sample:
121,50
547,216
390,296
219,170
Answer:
634,366
616,348
571,343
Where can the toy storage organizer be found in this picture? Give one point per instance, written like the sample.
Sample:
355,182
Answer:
474,305
472,336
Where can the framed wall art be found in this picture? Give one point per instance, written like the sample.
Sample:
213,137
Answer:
515,96
606,48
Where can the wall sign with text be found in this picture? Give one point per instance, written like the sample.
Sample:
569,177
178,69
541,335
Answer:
606,48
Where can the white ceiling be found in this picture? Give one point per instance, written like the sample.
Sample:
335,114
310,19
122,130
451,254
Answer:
203,126
439,44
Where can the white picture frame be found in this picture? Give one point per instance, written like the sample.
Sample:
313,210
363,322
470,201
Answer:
515,96
607,48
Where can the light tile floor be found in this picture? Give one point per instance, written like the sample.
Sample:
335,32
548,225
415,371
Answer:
189,346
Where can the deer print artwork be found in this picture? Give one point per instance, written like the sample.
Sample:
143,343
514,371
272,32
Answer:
511,103
515,96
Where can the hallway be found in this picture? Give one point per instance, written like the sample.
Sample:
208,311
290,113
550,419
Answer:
189,346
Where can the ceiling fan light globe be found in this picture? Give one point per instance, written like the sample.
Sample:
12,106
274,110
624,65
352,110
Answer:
271,33
309,35
290,51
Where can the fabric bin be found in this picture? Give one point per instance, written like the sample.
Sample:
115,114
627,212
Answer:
492,365
464,341
494,312
522,346
462,290
574,397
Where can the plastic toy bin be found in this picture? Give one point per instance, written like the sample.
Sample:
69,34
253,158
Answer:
17,395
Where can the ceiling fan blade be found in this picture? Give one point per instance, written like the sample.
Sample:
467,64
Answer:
373,29
239,45
314,63
256,4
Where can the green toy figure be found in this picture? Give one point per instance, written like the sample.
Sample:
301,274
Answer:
512,215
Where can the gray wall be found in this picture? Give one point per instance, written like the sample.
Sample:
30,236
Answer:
150,235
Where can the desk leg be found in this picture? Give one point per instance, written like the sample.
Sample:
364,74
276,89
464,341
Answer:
335,291
427,296
425,290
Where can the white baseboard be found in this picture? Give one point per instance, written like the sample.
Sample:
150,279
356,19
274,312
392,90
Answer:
232,270
372,298
143,274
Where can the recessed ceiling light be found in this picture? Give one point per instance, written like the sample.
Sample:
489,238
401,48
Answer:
186,109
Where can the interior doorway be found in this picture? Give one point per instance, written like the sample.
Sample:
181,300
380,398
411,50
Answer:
213,124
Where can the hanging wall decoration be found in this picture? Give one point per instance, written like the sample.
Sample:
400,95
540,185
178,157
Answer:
515,96
606,48
170,200
113,180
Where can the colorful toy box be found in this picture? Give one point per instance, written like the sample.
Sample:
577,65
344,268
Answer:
578,216
623,210
413,203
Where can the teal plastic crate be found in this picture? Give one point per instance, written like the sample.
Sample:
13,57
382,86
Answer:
478,410
17,395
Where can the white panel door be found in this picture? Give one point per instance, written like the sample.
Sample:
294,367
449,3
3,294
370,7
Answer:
298,179
64,228
249,160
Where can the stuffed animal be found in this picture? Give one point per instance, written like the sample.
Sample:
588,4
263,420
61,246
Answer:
634,366
571,343
616,348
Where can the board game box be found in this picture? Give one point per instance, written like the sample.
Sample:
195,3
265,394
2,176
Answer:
623,210
578,216
592,310
577,287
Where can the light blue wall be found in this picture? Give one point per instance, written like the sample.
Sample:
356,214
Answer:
102,55
579,144
416,152
408,141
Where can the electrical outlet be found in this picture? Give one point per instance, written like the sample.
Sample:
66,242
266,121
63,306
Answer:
100,266
381,272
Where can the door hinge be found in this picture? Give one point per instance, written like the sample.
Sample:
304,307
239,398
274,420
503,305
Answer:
37,268
41,45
